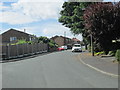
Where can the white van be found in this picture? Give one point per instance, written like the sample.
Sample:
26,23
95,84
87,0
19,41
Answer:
77,47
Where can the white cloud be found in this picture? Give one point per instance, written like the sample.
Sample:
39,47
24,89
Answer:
43,10
57,29
32,30
15,18
27,12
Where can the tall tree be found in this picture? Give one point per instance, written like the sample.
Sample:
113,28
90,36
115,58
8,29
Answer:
102,21
72,17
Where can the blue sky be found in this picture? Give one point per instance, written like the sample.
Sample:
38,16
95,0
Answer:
38,17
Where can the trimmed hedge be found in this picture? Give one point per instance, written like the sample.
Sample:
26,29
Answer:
117,55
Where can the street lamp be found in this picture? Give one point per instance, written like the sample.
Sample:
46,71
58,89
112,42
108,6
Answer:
64,38
92,46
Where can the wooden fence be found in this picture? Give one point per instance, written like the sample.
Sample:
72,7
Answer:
15,51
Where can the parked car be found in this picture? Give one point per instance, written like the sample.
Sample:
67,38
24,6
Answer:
65,47
60,48
77,47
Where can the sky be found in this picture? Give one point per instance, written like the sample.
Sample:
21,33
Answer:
38,17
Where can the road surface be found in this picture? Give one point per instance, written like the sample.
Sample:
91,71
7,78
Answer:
55,70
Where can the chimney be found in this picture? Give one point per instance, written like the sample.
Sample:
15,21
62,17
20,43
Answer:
24,30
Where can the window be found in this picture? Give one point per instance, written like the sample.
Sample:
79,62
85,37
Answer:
77,46
13,38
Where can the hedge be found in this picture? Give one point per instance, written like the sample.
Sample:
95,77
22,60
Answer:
117,55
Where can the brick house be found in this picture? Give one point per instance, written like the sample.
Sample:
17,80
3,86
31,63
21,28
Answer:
61,41
76,41
12,36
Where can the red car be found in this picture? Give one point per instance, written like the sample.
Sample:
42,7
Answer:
60,49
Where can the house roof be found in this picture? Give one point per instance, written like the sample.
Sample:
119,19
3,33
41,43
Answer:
75,39
16,31
60,36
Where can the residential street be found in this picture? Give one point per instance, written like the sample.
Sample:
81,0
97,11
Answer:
54,70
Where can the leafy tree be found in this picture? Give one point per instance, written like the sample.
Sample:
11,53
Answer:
102,21
46,40
43,39
72,17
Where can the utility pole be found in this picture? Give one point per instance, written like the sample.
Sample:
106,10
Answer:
64,38
92,46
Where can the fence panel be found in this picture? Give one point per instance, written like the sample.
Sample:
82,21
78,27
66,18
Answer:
30,48
40,47
34,48
45,47
4,51
25,48
20,49
11,51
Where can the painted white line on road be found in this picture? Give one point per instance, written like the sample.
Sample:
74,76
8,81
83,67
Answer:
110,74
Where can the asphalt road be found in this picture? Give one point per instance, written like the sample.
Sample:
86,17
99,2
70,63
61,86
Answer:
55,70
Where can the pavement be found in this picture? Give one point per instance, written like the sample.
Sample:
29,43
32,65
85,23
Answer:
102,64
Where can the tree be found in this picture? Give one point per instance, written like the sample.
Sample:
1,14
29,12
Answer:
48,41
102,21
72,17
43,39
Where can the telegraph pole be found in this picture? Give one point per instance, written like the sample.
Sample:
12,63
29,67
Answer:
64,38
92,46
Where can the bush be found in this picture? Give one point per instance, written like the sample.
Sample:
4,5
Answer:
112,53
29,42
21,42
51,44
100,53
117,55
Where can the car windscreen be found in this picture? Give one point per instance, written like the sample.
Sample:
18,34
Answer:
77,46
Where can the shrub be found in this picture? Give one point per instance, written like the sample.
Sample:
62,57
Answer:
112,53
99,53
29,42
117,55
21,42
51,44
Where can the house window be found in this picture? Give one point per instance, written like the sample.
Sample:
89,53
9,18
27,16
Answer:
13,38
30,38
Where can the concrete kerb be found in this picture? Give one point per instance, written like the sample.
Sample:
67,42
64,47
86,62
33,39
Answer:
26,57
110,74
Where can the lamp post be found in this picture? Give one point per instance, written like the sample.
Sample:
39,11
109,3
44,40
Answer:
64,38
92,46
